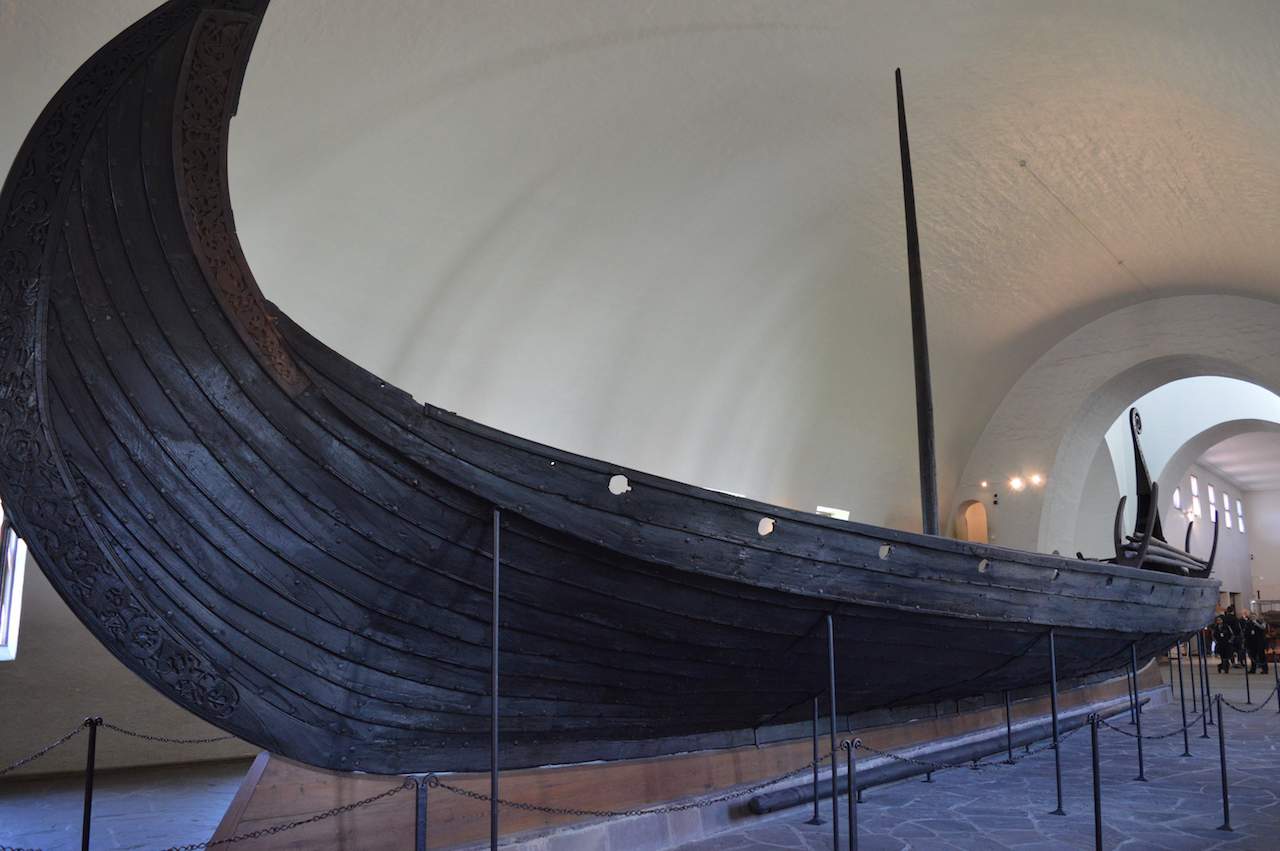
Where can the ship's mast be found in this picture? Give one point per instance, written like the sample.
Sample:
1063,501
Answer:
919,335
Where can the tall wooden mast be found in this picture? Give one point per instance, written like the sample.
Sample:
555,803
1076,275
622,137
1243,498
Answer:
919,335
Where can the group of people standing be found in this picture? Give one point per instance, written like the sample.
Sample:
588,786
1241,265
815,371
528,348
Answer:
1240,641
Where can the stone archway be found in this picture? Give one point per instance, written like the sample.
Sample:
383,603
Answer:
971,522
1055,416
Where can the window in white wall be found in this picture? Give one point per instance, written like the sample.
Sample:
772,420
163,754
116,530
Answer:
1240,515
1213,505
1195,497
13,561
1177,498
1226,507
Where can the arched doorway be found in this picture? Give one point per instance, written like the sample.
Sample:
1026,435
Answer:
971,522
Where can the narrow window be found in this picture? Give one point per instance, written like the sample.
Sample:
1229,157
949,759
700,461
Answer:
1195,497
1213,505
1226,507
1177,498
1240,515
13,561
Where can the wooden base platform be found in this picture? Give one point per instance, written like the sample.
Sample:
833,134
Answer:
278,790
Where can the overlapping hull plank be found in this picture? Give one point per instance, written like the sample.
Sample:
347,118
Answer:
300,553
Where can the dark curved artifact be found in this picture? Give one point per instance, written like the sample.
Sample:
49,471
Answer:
301,554
1147,547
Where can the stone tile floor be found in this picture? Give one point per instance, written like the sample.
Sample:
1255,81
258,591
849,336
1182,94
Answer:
1179,808
141,808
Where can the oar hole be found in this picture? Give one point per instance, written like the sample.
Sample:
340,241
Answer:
983,565
765,526
885,552
1056,574
618,485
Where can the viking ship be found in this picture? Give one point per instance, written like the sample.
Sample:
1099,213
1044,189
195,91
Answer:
305,556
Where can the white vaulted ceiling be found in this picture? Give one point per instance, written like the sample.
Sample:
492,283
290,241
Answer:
670,233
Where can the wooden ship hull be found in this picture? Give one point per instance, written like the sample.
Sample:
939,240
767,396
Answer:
302,554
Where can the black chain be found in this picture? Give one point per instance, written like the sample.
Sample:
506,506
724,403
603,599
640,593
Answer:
1254,709
1157,736
164,739
436,783
973,764
16,848
44,750
280,828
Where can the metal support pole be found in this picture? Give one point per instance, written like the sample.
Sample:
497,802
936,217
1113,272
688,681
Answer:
1222,758
493,686
835,775
817,819
1191,672
1248,695
1131,684
928,777
1182,701
1008,729
93,724
1097,784
1204,670
1133,663
420,816
1053,703
851,770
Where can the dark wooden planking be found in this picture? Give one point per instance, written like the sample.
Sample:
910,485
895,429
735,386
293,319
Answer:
298,552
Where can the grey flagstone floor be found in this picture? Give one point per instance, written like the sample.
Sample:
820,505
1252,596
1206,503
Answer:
1179,808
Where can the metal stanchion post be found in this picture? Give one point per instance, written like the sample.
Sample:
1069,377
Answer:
1097,784
420,816
1206,695
1248,694
1222,758
817,819
852,771
835,775
1053,705
1137,706
1182,701
1008,729
493,718
1275,668
93,724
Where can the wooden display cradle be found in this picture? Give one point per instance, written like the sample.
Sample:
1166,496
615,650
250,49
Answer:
278,790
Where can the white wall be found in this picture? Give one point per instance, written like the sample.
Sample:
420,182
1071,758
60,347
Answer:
1262,519
1232,564
62,674
1098,508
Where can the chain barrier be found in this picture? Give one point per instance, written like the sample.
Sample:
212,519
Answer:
164,739
409,783
1157,736
435,782
16,848
1254,709
976,765
44,750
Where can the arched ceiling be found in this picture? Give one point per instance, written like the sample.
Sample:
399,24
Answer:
670,233
1252,460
